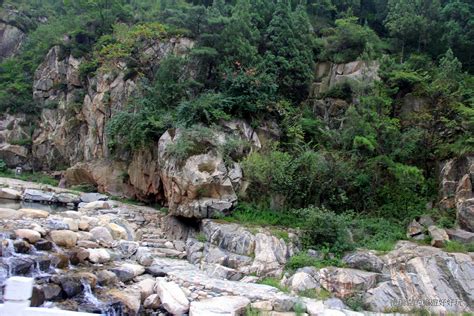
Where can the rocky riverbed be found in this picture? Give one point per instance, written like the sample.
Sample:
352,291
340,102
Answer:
103,256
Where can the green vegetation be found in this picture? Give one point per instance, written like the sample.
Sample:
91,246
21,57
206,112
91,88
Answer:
250,311
355,302
302,259
455,246
3,166
201,237
346,182
87,188
275,283
319,294
38,177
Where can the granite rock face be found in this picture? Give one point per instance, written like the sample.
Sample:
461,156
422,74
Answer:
234,247
424,273
329,75
456,189
71,125
202,185
11,39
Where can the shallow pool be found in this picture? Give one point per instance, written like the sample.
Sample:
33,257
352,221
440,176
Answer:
51,208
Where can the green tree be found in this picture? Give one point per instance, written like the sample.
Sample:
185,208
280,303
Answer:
240,38
458,30
290,55
412,22
349,40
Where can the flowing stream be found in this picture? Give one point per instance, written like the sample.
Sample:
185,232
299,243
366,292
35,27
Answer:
20,258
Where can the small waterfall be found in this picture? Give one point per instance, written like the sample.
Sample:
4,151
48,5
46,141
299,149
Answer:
7,246
92,302
89,297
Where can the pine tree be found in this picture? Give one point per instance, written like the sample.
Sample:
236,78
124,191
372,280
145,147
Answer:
240,37
289,53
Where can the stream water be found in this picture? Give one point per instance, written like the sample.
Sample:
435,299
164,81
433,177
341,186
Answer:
16,205
20,258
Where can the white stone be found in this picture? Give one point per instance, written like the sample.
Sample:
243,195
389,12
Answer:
117,231
10,194
33,213
96,205
172,297
99,255
30,235
219,306
64,238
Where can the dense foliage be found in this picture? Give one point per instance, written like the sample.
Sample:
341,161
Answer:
254,59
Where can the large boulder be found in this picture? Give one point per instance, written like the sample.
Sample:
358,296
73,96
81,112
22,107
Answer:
235,247
38,196
364,260
14,155
9,194
99,255
439,237
466,215
417,273
231,237
344,282
172,297
102,235
144,175
203,184
456,189
30,235
127,271
33,213
64,238
11,39
8,213
302,281
461,236
218,306
130,298
271,255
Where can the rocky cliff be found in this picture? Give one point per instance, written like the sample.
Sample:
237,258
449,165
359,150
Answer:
71,134
12,32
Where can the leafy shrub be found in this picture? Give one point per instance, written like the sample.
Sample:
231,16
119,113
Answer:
339,91
152,110
192,141
355,302
201,237
376,233
3,166
251,92
87,68
88,188
246,213
270,174
302,260
325,229
233,149
208,108
349,40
